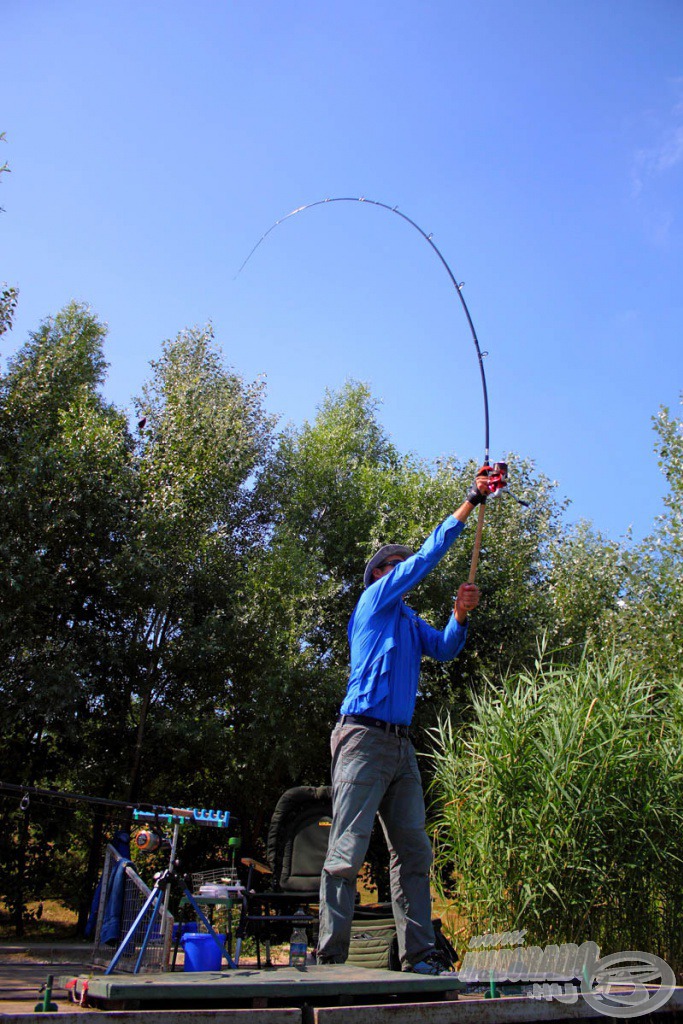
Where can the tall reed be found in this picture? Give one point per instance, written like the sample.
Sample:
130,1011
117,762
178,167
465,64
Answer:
559,808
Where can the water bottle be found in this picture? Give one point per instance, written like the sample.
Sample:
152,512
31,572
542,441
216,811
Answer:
298,942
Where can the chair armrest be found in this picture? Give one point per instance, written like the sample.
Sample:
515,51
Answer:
263,869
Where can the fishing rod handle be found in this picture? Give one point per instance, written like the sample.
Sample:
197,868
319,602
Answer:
477,544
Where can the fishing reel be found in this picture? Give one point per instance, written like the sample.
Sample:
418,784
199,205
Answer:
497,480
150,840
496,476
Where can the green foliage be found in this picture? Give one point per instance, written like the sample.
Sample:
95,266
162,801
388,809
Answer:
9,297
125,565
64,483
559,808
205,435
649,619
199,519
332,483
585,582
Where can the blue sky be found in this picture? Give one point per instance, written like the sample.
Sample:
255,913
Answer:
541,141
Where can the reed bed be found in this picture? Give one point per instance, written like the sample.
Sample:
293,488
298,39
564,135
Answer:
559,807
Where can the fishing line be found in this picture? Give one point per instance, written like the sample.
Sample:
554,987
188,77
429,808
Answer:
428,238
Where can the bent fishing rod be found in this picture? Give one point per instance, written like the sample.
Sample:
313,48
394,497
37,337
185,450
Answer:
428,238
497,474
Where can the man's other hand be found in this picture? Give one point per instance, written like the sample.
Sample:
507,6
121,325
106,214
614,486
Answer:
466,600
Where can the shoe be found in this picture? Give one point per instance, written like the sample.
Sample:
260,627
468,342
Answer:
433,962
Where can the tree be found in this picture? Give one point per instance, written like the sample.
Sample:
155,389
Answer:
174,610
66,487
9,297
201,448
586,578
65,484
126,562
649,621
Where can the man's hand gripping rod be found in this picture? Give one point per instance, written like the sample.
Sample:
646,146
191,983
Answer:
495,477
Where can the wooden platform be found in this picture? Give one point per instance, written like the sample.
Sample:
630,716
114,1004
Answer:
333,985
338,994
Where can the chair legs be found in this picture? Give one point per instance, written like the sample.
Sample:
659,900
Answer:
267,947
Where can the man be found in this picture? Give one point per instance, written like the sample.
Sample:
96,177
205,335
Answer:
374,769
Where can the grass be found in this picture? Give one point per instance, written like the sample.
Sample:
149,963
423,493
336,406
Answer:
559,809
50,921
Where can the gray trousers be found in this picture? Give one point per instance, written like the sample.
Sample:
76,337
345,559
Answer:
374,772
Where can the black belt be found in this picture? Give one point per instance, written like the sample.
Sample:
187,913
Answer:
375,723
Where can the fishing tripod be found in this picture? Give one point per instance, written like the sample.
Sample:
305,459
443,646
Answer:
164,882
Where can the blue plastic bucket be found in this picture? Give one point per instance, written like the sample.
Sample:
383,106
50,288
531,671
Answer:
201,952
183,929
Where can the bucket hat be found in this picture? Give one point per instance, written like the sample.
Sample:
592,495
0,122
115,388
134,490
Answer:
381,556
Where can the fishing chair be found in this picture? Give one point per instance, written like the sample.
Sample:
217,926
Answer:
296,849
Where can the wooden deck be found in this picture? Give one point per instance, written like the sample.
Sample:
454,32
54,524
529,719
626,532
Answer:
251,988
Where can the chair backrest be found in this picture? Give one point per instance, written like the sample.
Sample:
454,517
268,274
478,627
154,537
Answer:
298,836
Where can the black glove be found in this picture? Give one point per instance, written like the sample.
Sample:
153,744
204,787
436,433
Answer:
475,497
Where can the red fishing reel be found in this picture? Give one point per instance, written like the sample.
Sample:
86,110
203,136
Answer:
496,476
497,479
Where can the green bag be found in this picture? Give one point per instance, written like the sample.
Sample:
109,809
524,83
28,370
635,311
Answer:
374,945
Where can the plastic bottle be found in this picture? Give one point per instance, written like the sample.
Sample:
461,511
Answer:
298,942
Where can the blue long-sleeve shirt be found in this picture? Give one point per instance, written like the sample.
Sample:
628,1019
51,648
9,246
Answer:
388,639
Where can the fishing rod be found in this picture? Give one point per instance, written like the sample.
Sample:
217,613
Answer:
497,474
139,811
428,238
